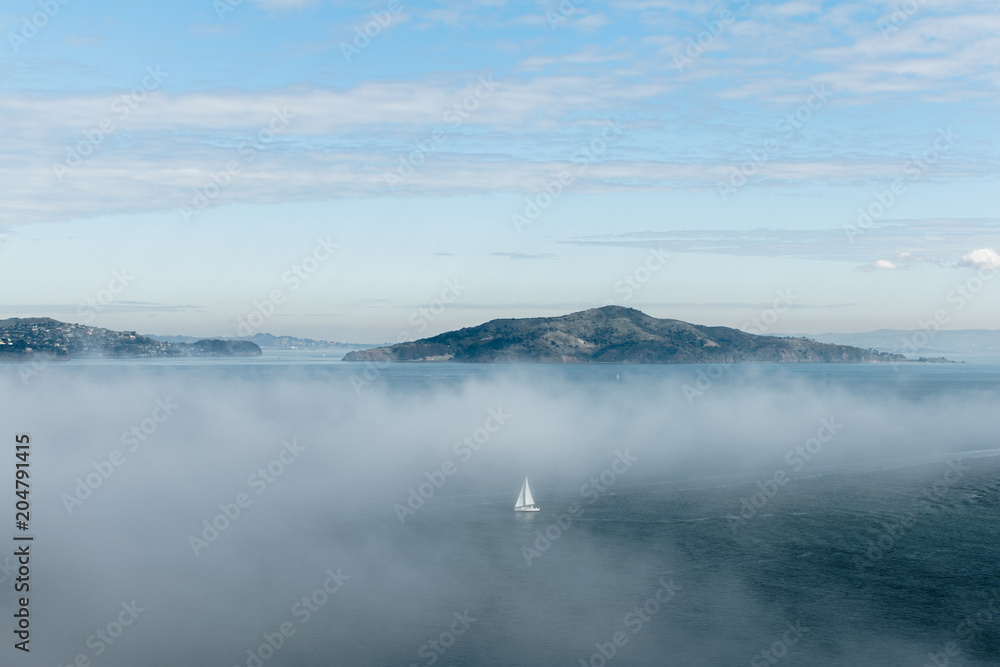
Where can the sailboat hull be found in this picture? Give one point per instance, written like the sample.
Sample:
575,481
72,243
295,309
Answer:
525,503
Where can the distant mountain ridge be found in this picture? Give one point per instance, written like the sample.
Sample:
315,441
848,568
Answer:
613,334
31,336
956,341
267,341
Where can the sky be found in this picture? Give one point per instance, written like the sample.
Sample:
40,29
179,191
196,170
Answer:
366,172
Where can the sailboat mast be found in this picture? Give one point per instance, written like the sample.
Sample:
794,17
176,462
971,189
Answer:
525,503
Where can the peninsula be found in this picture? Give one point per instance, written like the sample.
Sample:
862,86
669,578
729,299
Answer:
26,338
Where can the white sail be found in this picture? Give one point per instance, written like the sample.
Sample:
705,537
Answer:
525,503
528,500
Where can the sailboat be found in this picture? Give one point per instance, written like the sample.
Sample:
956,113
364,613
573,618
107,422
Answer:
525,503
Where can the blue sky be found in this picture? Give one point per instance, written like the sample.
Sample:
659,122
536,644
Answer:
532,153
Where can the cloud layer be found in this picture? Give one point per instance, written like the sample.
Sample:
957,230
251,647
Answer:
147,145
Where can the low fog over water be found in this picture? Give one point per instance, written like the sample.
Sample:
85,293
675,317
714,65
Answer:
188,513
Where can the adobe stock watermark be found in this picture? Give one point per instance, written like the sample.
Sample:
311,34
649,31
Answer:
31,25
973,626
433,649
784,129
464,449
762,323
705,379
365,33
121,108
957,297
714,27
223,7
632,282
259,481
583,157
219,181
88,309
8,570
35,365
420,319
913,170
133,439
928,501
426,314
970,628
779,649
757,325
635,620
890,23
295,276
102,639
591,490
454,116
796,459
558,16
303,610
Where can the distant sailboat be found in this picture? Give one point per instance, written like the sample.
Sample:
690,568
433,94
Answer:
525,503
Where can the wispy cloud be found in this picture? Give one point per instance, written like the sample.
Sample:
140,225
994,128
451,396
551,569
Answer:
521,255
283,4
927,242
902,260
64,309
685,130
